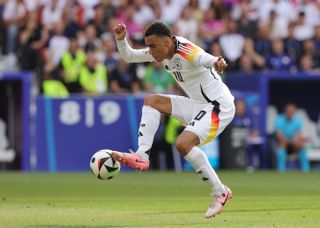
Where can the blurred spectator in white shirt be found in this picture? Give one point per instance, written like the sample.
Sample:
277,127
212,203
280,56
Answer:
58,44
232,43
14,16
143,13
251,9
283,8
303,30
278,25
89,7
171,10
187,26
312,13
196,12
52,13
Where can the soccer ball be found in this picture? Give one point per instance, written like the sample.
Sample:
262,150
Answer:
103,166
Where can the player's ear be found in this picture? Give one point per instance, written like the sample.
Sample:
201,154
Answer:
167,41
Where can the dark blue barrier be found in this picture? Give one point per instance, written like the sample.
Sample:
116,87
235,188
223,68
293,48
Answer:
15,93
70,130
278,89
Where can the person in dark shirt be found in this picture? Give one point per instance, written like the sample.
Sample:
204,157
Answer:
124,78
245,135
279,60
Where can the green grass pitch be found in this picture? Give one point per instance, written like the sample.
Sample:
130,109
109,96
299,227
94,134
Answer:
157,199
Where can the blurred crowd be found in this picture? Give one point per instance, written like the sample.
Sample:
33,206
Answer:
70,47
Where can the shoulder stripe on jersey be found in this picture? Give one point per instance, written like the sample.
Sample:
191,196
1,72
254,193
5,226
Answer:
188,51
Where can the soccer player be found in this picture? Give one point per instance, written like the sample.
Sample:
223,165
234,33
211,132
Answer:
207,111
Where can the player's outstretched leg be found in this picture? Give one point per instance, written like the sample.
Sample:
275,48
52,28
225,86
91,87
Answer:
148,126
221,194
131,159
218,203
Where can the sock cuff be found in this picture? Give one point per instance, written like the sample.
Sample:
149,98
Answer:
191,155
149,109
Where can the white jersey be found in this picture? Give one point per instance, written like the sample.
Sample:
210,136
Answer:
191,67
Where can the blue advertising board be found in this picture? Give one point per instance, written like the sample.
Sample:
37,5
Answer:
70,130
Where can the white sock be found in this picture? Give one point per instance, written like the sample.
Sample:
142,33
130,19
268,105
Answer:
199,161
149,124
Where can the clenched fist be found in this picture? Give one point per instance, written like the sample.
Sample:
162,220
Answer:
120,31
220,65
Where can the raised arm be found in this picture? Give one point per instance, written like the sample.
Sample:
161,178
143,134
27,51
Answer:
199,57
205,59
126,51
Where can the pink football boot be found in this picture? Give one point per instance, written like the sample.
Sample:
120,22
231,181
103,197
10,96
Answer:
131,159
218,203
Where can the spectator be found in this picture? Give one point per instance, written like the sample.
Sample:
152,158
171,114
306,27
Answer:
135,30
143,13
303,30
52,13
99,20
317,38
246,26
196,12
93,76
306,64
109,9
157,11
58,44
312,13
215,49
187,26
111,57
246,65
278,25
124,79
90,41
219,9
308,48
290,142
157,79
32,39
14,16
291,45
258,61
210,28
88,6
70,65
279,60
247,136
171,10
232,44
262,44
285,9
71,19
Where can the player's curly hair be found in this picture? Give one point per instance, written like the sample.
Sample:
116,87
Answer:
158,29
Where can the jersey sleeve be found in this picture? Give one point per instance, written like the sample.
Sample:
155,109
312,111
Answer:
195,54
131,55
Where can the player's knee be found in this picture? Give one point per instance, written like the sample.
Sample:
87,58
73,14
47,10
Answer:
149,100
183,146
